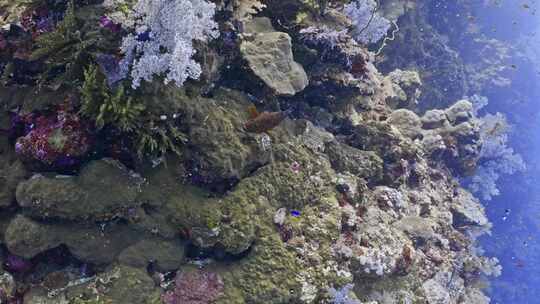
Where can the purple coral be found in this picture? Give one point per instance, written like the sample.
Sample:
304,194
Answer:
195,287
39,20
106,22
17,264
58,141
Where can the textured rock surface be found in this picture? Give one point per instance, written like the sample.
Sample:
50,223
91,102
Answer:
119,284
12,170
221,152
407,122
406,89
165,255
96,244
270,57
83,196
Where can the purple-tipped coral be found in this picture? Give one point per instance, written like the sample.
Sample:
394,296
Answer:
195,287
17,264
40,20
57,141
106,22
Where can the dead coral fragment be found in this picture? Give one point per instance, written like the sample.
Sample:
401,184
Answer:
195,287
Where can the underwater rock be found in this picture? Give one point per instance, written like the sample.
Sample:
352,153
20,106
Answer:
350,185
12,170
406,89
434,119
7,286
407,122
11,174
315,138
27,238
459,112
387,197
468,211
474,296
383,139
118,284
81,196
417,227
221,151
364,164
195,287
99,245
124,284
436,293
206,221
163,255
453,136
270,57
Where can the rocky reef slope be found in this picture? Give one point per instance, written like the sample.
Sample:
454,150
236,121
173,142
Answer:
335,183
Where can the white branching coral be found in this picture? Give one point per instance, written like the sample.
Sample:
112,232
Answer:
369,25
496,158
162,39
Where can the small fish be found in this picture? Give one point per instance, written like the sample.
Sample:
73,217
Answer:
262,122
295,213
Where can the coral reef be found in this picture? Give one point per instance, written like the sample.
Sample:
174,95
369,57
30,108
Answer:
269,55
370,26
60,140
157,28
292,171
195,287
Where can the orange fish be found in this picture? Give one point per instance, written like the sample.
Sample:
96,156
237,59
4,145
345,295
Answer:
262,122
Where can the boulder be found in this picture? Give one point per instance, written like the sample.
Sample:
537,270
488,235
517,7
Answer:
269,56
101,190
92,244
165,255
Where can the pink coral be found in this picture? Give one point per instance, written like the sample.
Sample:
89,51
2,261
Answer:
60,140
195,287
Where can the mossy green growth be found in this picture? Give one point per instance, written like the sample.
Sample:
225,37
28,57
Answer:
73,45
107,107
267,275
127,112
79,300
121,284
57,139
